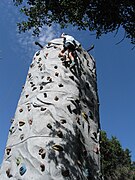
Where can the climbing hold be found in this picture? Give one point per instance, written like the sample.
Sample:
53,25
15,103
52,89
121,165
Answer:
21,110
71,77
18,161
31,82
27,95
29,107
86,173
12,130
34,88
41,69
41,87
22,169
32,85
60,85
69,109
45,95
43,109
8,173
57,147
37,53
79,163
56,74
95,135
65,172
56,98
55,67
22,136
49,79
42,153
42,166
12,120
85,116
96,149
63,121
8,150
60,134
78,120
44,83
21,123
39,59
49,126
30,121
29,75
90,114
32,65
46,55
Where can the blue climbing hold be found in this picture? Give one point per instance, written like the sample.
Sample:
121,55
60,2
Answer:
22,169
90,114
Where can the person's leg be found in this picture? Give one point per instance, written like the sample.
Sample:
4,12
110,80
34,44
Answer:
71,55
61,54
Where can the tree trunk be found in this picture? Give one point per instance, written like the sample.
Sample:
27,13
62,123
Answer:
55,132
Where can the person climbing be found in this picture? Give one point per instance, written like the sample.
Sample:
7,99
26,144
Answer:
70,45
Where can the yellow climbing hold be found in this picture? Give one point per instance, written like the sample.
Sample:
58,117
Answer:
57,147
18,161
84,115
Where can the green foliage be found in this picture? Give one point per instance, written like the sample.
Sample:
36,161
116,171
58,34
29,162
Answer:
116,162
99,16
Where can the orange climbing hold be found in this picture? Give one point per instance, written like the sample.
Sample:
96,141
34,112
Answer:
30,121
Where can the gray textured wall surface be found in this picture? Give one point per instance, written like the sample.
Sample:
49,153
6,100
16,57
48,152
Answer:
55,130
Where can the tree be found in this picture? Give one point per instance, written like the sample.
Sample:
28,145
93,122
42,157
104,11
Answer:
116,162
99,16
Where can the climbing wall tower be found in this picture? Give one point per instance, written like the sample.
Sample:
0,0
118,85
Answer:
55,131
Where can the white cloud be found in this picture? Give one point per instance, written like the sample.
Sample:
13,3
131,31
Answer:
27,41
49,33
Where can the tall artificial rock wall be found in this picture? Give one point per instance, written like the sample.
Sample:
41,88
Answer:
55,131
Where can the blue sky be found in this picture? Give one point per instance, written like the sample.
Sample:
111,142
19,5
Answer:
115,70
